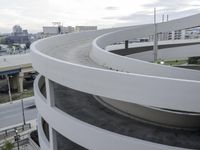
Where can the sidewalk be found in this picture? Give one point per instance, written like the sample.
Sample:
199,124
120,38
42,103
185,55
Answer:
17,101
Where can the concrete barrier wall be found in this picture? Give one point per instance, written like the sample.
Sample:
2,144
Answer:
152,115
131,80
170,53
87,135
170,93
110,60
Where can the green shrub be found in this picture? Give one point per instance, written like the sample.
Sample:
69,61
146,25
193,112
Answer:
194,60
8,146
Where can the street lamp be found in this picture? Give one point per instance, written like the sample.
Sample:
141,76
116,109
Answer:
17,138
162,62
23,116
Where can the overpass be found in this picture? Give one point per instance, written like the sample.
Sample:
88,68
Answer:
15,66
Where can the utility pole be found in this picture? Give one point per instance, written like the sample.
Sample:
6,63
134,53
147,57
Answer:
155,47
9,89
23,116
126,44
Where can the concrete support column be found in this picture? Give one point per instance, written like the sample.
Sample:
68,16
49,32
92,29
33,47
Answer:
17,82
14,82
53,139
50,92
20,84
51,102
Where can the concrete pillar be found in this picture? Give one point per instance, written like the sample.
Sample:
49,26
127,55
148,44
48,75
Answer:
13,82
16,82
53,139
20,83
51,102
50,92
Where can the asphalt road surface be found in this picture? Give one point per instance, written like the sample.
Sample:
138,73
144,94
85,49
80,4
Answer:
11,114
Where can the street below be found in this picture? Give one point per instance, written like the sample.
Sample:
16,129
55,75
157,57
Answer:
11,114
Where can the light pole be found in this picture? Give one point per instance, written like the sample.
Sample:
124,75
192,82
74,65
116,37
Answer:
23,116
155,47
17,138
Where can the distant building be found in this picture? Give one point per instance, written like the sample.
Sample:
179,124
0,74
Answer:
50,30
17,39
174,35
18,36
85,28
37,36
25,32
54,30
17,29
179,35
67,29
192,33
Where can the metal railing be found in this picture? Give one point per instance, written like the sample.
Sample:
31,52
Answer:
12,131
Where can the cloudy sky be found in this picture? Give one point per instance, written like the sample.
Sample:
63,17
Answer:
33,14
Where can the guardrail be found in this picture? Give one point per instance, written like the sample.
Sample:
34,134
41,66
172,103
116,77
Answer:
12,131
23,140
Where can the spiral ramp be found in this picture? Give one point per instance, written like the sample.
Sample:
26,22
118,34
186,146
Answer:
89,97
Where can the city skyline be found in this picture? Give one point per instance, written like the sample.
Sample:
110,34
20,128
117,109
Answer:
35,14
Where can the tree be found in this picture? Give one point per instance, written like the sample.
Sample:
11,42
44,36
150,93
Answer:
27,45
2,40
194,60
8,146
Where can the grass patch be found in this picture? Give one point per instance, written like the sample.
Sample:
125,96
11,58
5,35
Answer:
174,62
16,96
24,94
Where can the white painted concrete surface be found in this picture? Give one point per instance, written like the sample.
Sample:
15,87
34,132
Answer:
79,62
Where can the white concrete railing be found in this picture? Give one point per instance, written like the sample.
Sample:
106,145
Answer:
120,46
170,53
136,66
102,57
175,93
90,137
190,49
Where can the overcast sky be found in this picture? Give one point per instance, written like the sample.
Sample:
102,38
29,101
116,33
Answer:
33,14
